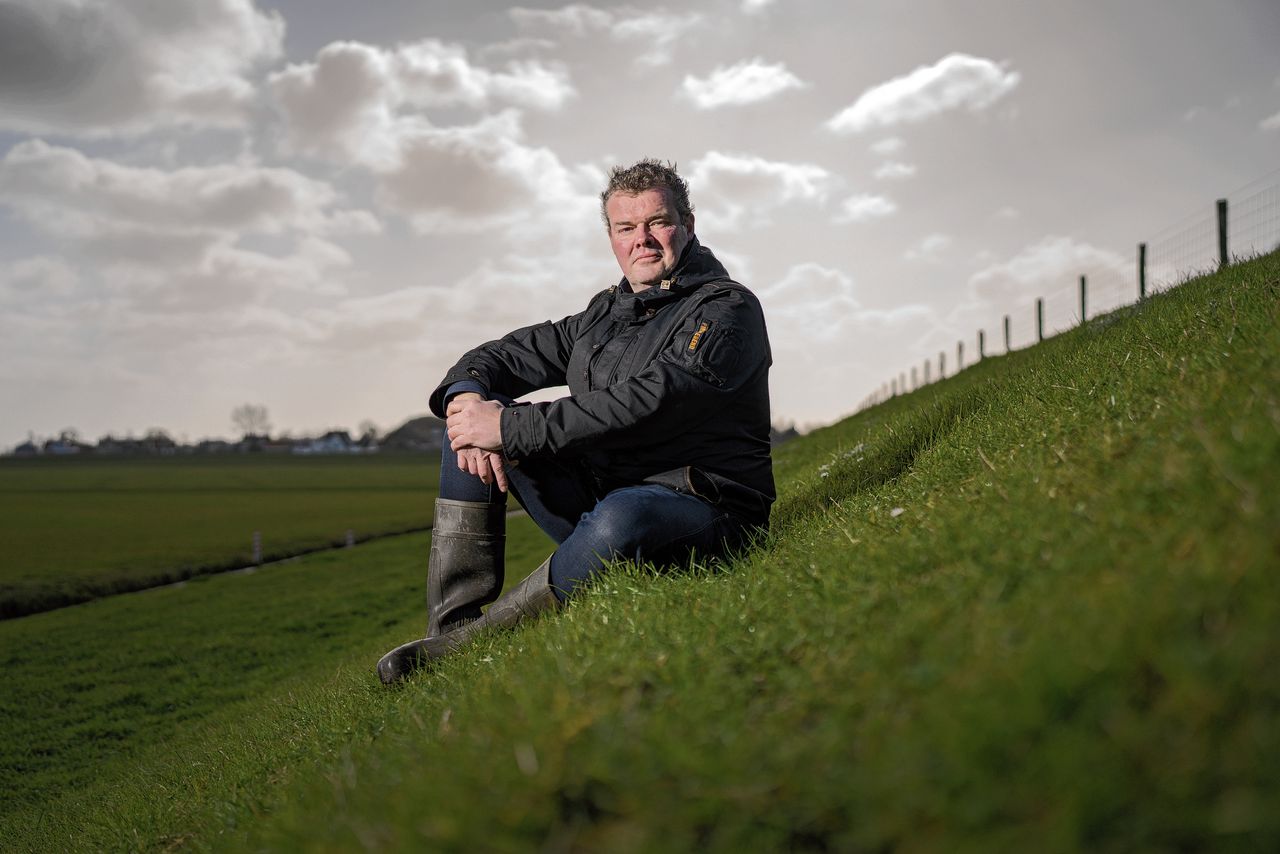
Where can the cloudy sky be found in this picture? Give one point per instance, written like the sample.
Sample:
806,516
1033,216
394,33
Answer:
317,205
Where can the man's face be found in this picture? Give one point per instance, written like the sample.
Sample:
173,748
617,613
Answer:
647,235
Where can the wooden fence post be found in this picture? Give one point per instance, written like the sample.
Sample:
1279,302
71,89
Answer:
914,384
1142,271
1223,259
942,364
1006,333
959,355
1083,287
926,371
982,344
1039,318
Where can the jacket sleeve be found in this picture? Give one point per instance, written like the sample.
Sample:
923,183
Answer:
528,359
719,348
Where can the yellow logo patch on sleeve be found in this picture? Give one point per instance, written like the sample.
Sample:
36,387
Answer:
697,336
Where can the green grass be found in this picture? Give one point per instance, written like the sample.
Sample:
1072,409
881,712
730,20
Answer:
78,528
91,688
1034,607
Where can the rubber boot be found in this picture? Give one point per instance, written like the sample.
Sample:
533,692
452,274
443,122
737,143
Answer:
465,569
525,601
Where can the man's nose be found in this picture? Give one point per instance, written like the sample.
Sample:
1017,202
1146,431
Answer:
643,235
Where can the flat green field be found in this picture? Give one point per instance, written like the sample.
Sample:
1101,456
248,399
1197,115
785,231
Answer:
77,528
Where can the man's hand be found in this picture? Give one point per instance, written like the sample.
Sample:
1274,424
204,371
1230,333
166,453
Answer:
485,465
471,417
474,423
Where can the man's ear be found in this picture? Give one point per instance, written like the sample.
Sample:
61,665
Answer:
688,224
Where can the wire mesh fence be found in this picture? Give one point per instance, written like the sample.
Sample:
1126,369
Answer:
1244,224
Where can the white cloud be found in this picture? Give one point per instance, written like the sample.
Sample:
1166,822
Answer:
887,146
651,35
810,300
894,170
863,207
824,339
102,68
953,82
1008,212
362,104
483,176
37,278
1048,264
927,248
155,242
577,18
1270,123
68,193
752,7
357,101
737,189
746,82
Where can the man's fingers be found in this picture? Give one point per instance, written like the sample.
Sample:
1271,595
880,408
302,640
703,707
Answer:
499,472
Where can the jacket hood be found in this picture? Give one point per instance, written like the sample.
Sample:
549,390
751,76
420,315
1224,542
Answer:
696,267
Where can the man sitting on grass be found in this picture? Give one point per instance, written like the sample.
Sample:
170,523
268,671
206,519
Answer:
660,451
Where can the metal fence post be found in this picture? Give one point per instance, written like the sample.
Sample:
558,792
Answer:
1006,333
1083,313
1039,318
982,344
1223,259
1142,271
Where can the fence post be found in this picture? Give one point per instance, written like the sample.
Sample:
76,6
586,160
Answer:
903,382
926,371
1083,313
1006,333
1142,271
942,364
982,345
914,385
959,355
1222,234
1039,318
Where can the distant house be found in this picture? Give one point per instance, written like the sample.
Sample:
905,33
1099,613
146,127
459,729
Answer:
27,449
213,446
333,442
64,447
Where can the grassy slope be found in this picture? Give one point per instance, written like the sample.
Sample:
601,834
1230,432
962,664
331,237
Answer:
1036,606
75,529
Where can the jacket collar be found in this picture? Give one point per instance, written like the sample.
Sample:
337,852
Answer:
696,267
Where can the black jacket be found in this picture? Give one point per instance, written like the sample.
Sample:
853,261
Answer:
669,385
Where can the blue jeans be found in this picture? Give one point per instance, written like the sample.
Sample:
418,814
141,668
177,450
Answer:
642,523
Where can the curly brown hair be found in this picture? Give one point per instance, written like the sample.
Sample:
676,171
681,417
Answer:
647,174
